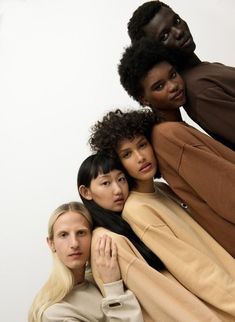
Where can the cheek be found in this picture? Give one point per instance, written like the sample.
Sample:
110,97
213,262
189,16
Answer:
103,199
158,98
87,246
125,191
98,194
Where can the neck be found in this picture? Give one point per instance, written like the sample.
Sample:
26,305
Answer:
190,61
79,275
145,186
171,115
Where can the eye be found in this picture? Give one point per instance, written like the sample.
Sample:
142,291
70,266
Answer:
143,144
81,233
122,179
158,87
126,155
173,74
164,36
63,234
105,183
177,20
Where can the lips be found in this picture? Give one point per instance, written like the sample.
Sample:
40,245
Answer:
119,200
178,95
75,254
145,167
186,42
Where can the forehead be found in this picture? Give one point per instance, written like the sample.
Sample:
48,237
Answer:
128,143
69,220
111,173
162,19
159,71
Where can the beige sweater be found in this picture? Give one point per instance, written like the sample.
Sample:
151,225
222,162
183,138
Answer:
85,303
161,296
190,254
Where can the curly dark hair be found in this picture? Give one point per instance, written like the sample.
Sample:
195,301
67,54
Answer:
137,60
141,17
117,125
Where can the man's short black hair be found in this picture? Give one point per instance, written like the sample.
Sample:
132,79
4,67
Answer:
141,17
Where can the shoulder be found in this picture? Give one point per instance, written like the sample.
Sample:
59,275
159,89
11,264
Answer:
100,231
207,73
57,312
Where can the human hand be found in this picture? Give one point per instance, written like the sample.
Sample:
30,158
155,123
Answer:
106,260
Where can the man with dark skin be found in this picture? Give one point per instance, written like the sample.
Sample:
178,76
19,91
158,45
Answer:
209,86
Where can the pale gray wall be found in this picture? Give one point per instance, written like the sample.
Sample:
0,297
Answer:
58,62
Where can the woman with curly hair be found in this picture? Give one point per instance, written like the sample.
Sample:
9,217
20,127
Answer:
161,220
185,155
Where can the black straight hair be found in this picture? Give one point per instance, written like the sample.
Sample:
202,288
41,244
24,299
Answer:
101,164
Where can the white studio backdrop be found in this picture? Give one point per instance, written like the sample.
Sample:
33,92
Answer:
58,75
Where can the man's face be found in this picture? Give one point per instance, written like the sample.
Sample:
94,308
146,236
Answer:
169,29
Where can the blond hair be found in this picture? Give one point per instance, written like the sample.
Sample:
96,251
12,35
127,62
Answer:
61,279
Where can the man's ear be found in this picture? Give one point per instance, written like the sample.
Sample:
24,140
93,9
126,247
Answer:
51,244
85,192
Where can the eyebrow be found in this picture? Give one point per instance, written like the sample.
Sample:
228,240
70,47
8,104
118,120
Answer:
165,28
65,230
104,175
172,69
140,138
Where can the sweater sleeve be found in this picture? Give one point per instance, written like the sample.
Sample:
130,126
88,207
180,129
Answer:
120,305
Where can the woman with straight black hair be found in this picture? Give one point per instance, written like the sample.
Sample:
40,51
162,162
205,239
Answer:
90,169
103,188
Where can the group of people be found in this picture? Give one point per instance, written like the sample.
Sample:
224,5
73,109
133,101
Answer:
159,250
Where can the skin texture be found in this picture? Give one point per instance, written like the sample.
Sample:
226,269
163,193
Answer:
109,190
138,158
106,255
72,243
170,30
163,88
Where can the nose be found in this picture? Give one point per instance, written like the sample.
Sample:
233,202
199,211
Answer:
116,188
74,242
139,156
177,32
173,86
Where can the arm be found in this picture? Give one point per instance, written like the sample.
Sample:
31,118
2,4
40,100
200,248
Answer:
117,305
156,292
185,250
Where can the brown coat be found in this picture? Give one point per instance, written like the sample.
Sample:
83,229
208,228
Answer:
201,171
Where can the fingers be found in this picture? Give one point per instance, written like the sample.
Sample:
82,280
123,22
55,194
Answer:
105,247
106,259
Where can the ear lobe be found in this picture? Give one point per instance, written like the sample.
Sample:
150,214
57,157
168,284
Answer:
85,192
51,245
